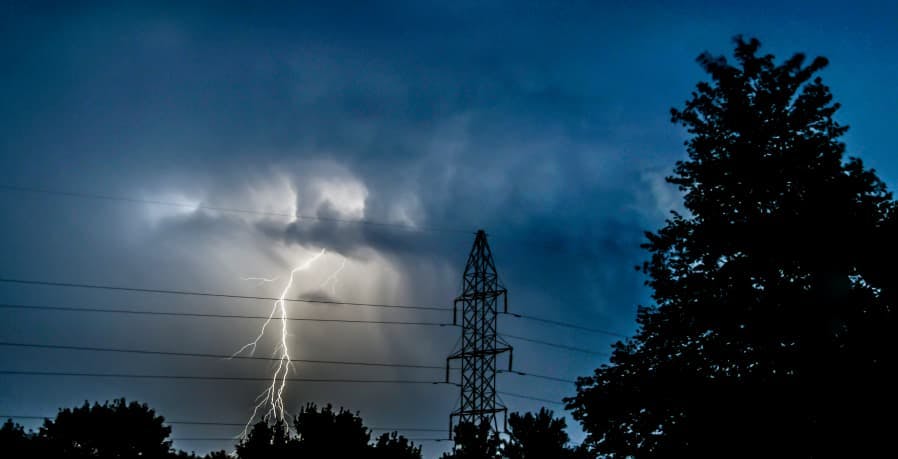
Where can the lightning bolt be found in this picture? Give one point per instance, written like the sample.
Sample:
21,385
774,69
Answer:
272,397
333,278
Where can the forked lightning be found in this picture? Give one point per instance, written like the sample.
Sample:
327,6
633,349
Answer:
273,396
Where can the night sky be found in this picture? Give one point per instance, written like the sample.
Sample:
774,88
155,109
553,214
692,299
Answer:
547,126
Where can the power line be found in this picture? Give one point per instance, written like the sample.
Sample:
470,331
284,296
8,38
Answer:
244,357
234,424
529,397
407,429
240,378
234,439
74,194
559,346
429,439
217,378
215,295
533,375
237,439
216,356
565,324
235,316
212,315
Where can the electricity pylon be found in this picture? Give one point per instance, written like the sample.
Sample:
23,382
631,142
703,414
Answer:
480,343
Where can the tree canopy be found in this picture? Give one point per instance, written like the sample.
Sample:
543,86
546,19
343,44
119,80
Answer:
539,435
474,441
773,294
530,436
14,442
130,430
323,432
112,430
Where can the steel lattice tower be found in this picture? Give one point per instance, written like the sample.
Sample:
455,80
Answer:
480,343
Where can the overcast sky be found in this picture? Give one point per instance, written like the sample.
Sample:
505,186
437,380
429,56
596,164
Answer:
547,126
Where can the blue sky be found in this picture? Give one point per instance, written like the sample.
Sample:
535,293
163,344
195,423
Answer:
546,125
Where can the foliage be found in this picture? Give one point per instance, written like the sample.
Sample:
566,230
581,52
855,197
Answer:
539,436
15,442
323,432
530,437
266,441
395,446
774,296
473,442
111,430
130,430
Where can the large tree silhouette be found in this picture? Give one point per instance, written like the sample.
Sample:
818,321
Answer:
266,441
15,442
539,436
774,294
325,432
111,430
474,441
394,446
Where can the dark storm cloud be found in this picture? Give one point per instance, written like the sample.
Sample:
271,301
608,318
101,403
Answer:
482,135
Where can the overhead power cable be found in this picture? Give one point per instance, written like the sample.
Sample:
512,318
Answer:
216,356
214,295
240,378
233,424
244,357
556,345
236,439
217,378
213,315
533,375
299,300
308,319
529,397
565,324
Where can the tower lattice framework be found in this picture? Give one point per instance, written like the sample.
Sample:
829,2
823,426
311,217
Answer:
482,293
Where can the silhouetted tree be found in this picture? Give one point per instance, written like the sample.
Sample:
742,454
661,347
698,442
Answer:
538,436
110,430
211,455
473,442
774,295
266,441
324,432
131,430
15,443
395,446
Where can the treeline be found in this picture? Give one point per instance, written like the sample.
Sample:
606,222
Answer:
120,429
